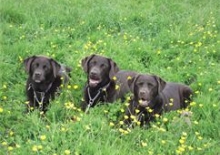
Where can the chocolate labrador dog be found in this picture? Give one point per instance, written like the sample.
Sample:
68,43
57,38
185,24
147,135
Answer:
45,77
152,95
101,86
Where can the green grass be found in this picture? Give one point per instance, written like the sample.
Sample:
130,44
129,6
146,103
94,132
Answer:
177,40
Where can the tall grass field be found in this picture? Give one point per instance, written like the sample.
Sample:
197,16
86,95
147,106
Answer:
178,40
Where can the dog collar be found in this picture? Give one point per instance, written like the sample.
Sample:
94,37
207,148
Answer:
42,95
92,100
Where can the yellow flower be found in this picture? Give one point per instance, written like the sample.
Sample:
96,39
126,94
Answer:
128,98
171,104
132,117
87,127
200,137
195,122
117,87
17,146
4,97
4,143
40,147
150,110
125,117
125,132
34,148
162,129
111,124
69,86
121,122
129,78
10,148
143,144
197,133
182,141
75,86
163,141
4,86
165,120
137,111
105,111
126,104
11,133
121,130
122,110
218,82
192,103
48,127
138,123
1,110
190,147
157,115
184,133
43,137
200,105
67,152
114,78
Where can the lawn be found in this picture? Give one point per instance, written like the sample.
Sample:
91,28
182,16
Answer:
176,40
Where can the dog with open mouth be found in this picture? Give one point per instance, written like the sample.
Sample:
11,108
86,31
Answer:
152,95
101,86
45,77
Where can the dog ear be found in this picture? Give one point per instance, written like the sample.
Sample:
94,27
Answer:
27,63
161,83
56,67
85,61
114,68
131,82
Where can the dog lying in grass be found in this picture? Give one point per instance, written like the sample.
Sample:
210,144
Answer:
45,77
152,95
105,83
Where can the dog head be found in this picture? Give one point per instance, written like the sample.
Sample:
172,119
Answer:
99,69
146,87
41,69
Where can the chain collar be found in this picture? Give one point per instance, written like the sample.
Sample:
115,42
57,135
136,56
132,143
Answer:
92,100
42,95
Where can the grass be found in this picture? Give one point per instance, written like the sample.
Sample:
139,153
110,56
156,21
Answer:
177,40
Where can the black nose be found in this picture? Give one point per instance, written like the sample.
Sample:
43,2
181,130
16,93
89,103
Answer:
142,92
37,74
94,72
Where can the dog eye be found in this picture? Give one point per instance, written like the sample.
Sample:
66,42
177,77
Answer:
37,64
140,83
103,65
44,67
150,85
92,62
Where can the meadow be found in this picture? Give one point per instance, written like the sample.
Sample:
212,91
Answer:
178,40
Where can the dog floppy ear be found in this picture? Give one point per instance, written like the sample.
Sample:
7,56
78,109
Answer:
114,68
85,61
161,83
27,63
131,82
56,67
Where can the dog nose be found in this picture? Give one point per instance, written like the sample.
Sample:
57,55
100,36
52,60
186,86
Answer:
94,72
142,92
37,74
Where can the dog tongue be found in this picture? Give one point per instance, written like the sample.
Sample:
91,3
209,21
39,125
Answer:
143,103
93,83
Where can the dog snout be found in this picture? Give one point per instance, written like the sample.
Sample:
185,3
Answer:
95,72
37,74
143,92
